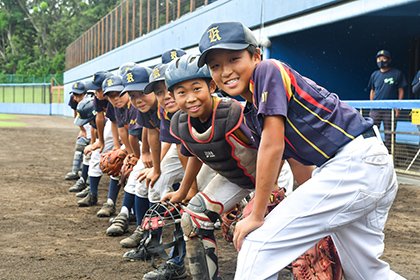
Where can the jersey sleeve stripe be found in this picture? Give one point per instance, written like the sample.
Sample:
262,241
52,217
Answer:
286,79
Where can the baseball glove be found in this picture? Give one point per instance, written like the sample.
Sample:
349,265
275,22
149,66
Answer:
320,262
129,162
238,212
112,161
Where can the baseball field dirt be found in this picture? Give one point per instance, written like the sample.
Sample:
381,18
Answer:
44,235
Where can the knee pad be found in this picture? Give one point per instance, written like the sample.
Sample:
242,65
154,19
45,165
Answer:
200,215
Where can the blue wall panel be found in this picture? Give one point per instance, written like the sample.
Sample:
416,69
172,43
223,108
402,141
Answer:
341,56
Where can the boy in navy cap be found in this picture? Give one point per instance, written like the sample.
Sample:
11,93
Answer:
171,54
130,133
105,126
78,91
291,117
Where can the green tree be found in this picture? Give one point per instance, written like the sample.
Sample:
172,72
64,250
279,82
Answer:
35,34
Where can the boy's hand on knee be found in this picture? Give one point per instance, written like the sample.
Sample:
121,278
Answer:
143,174
151,178
243,228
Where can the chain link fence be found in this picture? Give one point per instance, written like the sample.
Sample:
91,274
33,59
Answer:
29,79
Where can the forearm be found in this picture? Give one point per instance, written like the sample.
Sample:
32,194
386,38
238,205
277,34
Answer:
269,161
400,93
155,147
92,135
134,142
115,136
193,166
100,124
145,147
372,94
123,133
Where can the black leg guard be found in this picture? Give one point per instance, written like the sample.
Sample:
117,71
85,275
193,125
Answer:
197,259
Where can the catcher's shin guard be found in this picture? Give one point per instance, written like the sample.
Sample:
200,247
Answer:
203,259
196,256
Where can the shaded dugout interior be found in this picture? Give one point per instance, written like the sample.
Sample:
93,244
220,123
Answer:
341,55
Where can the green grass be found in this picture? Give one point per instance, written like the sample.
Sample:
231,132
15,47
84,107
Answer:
29,94
11,124
6,123
8,117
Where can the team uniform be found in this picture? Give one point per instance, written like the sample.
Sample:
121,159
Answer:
342,199
223,144
81,142
106,107
172,171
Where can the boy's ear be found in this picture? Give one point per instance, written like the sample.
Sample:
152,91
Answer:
258,55
212,86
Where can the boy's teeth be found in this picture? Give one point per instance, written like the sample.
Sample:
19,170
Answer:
232,81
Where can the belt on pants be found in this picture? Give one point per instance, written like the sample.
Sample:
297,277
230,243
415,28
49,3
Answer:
369,133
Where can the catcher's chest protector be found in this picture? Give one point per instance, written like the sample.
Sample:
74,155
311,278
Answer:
218,147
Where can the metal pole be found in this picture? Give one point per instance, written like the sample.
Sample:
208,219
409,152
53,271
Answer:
392,134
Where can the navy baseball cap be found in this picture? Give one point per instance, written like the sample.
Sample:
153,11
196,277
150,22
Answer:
85,111
384,53
124,67
158,74
225,35
113,83
136,79
78,88
97,80
171,54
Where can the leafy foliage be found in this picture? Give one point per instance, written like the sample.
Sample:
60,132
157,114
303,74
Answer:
34,34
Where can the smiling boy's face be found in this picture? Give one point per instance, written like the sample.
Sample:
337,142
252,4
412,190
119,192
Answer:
194,98
164,98
142,102
116,100
232,70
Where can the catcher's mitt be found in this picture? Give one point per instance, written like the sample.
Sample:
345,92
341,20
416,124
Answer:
320,262
112,161
129,162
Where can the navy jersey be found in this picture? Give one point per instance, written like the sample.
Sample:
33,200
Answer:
150,119
73,103
100,105
317,122
127,116
110,112
165,127
386,84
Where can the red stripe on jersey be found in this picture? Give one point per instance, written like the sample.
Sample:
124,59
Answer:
288,142
301,92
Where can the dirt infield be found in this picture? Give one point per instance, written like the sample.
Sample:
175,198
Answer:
44,235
